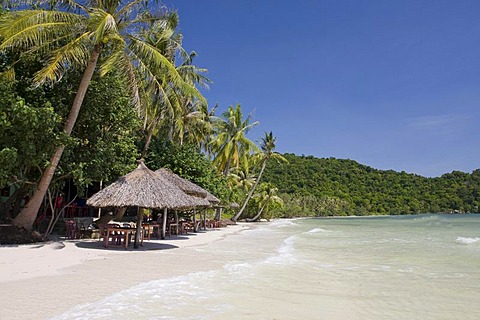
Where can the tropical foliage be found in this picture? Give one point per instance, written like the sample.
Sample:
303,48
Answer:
84,35
101,84
267,152
231,145
311,186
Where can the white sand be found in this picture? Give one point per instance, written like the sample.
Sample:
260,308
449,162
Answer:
43,280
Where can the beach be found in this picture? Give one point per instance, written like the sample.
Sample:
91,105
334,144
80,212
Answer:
396,267
42,280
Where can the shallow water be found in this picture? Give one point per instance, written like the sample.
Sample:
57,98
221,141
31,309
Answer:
406,267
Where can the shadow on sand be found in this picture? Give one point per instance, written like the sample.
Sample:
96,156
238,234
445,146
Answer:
147,246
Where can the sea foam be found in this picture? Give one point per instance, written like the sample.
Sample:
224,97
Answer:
316,230
467,240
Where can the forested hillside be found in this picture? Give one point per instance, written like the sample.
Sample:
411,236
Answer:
313,186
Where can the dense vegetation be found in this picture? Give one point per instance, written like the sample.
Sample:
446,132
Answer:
141,98
313,186
88,88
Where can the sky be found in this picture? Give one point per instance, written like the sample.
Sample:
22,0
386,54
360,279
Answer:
390,84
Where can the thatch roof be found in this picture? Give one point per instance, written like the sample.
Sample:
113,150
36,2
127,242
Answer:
143,188
188,186
198,201
212,199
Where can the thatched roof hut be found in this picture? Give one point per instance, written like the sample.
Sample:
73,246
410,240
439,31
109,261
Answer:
186,186
196,202
212,199
189,187
142,188
202,197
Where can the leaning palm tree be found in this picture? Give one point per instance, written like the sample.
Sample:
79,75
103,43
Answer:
231,144
266,198
268,152
74,34
241,179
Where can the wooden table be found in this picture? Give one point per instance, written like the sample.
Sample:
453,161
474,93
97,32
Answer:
118,234
152,227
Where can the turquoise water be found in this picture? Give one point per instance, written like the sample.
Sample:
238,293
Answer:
406,267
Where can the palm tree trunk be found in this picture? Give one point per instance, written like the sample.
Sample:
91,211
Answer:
235,218
26,217
147,143
259,212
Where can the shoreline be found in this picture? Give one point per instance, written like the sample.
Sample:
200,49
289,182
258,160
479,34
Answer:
44,280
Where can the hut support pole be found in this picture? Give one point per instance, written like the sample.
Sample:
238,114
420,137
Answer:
139,228
164,225
176,222
194,219
205,219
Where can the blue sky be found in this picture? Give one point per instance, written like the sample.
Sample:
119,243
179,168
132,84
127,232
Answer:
390,84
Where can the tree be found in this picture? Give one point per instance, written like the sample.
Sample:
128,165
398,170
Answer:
230,143
266,198
170,101
192,123
268,152
75,37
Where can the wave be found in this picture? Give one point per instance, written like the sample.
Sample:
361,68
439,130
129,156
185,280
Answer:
467,240
316,230
283,223
285,252
140,299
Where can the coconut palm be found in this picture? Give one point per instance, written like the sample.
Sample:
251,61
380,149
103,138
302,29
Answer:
241,179
191,124
268,152
74,34
230,143
266,198
173,106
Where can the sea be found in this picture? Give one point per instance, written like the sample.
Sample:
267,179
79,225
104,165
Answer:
392,267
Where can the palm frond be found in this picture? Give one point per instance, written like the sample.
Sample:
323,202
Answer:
30,28
102,24
119,62
153,59
75,53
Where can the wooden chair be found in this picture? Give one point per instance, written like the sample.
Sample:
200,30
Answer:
72,230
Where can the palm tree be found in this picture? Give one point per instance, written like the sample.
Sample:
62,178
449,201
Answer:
191,124
265,199
241,178
231,144
72,35
173,107
268,152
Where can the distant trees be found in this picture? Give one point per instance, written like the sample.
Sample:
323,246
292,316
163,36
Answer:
312,186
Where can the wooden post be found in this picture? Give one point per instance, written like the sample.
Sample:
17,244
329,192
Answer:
194,219
176,222
164,226
139,228
204,218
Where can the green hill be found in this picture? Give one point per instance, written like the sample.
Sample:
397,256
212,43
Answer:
313,186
